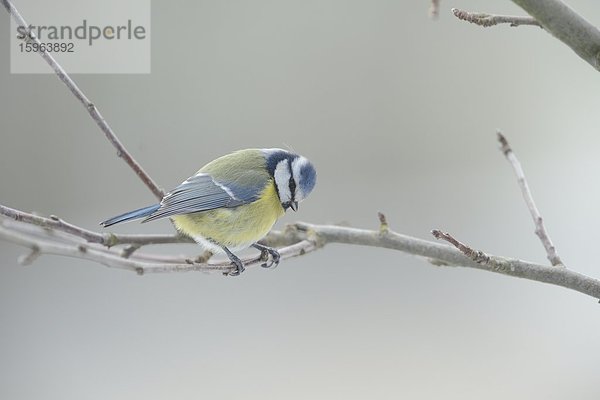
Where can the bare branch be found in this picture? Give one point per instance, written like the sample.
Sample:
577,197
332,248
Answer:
106,239
487,20
567,26
540,229
522,269
53,222
90,107
112,259
303,238
553,16
55,236
444,255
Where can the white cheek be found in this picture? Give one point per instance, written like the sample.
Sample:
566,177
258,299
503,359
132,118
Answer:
297,166
299,195
282,180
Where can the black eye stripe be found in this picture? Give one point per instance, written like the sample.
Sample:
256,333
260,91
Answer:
292,187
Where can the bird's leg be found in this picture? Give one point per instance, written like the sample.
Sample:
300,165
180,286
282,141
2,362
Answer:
265,251
239,265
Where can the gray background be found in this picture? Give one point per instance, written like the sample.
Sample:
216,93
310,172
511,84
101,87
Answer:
398,113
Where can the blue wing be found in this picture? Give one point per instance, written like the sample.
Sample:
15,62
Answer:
202,193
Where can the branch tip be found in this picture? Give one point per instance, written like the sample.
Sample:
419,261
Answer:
504,146
476,255
436,233
29,258
540,229
383,224
129,250
204,257
434,9
486,20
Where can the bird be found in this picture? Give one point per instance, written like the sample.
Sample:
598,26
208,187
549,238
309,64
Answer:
233,201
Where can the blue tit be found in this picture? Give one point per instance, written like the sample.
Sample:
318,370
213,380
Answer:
234,201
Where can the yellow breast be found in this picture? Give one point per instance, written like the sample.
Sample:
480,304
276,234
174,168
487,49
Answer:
235,228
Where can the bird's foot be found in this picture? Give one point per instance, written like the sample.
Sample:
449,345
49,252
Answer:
235,260
239,267
265,252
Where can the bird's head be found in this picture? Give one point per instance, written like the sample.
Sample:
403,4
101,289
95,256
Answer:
294,176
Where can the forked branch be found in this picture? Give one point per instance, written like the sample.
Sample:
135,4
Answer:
553,16
42,235
297,240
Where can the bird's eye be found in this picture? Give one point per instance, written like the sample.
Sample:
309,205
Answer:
292,186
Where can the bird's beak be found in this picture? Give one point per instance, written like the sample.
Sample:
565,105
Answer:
294,205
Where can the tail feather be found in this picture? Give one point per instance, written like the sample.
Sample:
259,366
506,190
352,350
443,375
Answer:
128,216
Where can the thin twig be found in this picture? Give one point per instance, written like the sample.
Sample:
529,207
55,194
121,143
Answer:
89,106
434,9
478,256
111,259
540,229
383,224
106,239
25,221
487,20
129,250
54,223
28,259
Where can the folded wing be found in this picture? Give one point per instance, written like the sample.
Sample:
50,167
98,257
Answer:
202,193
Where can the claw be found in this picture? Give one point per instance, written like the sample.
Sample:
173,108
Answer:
239,268
276,257
265,252
239,265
